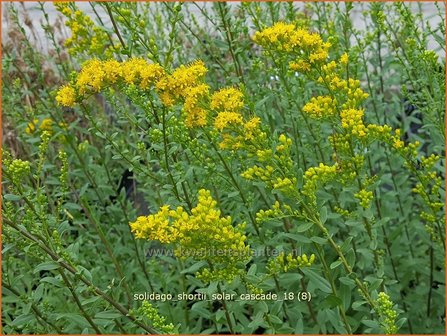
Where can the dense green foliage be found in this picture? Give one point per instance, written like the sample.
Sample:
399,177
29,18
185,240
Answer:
361,250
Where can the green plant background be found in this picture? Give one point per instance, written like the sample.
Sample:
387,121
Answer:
84,220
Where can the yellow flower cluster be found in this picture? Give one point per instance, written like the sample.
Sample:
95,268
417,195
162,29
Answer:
285,184
320,107
45,125
227,99
379,131
317,175
385,134
18,169
276,211
185,85
95,75
349,168
236,131
226,118
388,316
261,173
86,36
278,179
66,96
428,162
365,197
248,136
92,77
354,94
340,143
195,114
158,321
182,79
158,226
135,71
285,143
203,235
351,116
311,52
285,263
252,128
352,120
265,155
280,36
429,190
344,59
307,47
341,211
263,215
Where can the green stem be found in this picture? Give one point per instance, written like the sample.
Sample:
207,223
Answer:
60,260
235,183
78,303
328,276
104,240
35,309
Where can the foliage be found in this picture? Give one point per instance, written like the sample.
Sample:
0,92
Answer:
224,151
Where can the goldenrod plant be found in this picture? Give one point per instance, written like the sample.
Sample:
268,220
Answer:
223,168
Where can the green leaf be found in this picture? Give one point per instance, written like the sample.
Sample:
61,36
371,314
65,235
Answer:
317,280
371,323
275,319
23,319
38,293
108,314
194,268
347,281
323,214
335,264
220,316
346,244
46,266
357,304
252,270
295,236
303,227
319,240
233,194
331,301
199,308
74,318
257,321
11,197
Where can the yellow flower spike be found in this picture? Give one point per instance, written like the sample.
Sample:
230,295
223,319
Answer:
31,126
91,76
300,65
204,230
66,96
305,259
112,69
181,79
225,118
46,125
149,74
227,99
398,144
131,69
364,197
320,107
